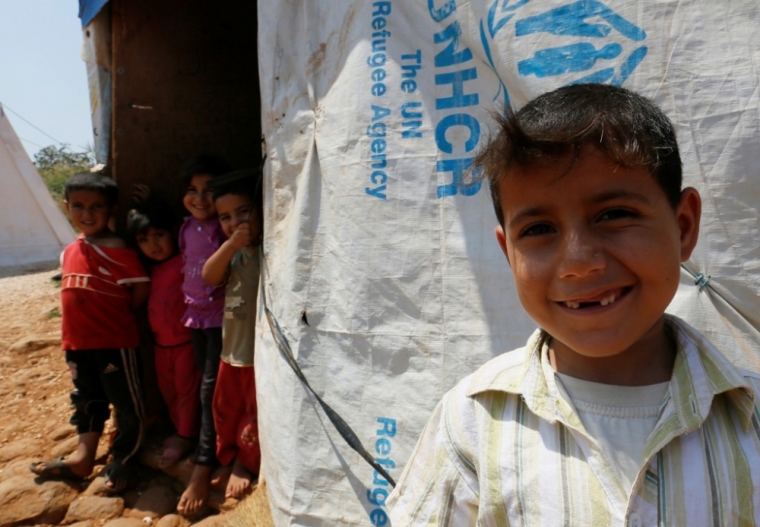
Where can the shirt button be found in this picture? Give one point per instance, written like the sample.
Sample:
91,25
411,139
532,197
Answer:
210,299
199,228
634,520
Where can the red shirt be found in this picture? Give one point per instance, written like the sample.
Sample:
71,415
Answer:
95,298
166,304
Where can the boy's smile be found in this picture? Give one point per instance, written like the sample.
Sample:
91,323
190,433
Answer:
595,249
235,210
89,211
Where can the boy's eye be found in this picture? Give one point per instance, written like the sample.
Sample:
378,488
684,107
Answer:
537,229
614,214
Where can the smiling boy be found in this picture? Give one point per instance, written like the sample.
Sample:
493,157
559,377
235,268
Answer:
613,413
238,200
103,282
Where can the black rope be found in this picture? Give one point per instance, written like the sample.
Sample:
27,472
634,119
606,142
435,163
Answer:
340,425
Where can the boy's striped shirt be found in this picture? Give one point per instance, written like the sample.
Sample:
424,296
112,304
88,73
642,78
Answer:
504,447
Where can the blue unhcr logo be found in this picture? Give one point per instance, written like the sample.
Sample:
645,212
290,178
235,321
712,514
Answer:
598,56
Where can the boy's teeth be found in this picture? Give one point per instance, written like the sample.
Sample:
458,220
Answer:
609,300
604,301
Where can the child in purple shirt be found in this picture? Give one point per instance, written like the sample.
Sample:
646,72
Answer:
199,237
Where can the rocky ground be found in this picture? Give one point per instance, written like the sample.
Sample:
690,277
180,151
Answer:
34,413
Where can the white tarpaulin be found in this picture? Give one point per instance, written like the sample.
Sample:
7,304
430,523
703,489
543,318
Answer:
33,230
382,267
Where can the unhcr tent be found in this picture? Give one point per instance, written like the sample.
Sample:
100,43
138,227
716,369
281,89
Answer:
33,230
382,268
382,276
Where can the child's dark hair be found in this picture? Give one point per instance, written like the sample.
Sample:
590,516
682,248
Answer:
245,182
92,182
203,164
154,215
628,128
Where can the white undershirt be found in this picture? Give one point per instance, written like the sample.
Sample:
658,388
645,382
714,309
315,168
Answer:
619,418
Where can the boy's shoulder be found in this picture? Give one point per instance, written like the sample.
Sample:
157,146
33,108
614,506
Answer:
504,373
111,241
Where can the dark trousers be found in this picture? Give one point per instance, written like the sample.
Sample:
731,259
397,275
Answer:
103,376
207,346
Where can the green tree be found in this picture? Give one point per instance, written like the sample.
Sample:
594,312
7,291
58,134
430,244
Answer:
56,164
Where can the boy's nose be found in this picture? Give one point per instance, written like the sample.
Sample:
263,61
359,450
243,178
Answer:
580,256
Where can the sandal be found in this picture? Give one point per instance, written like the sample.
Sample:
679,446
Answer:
54,469
120,477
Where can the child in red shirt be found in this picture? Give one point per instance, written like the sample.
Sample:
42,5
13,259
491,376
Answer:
152,225
103,282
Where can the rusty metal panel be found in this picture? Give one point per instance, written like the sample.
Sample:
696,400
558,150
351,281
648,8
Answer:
185,82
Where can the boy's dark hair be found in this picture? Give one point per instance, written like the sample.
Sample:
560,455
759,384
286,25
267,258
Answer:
154,215
203,164
628,128
92,182
245,182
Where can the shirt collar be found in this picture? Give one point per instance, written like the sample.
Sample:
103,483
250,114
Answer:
700,373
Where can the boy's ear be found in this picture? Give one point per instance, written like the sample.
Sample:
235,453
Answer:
502,239
688,215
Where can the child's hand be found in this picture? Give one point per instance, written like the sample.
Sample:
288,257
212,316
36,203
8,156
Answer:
241,236
140,193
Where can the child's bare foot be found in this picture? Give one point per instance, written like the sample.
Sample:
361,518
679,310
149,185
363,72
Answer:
175,448
196,493
221,475
240,481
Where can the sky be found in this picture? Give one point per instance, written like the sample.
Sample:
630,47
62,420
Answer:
42,76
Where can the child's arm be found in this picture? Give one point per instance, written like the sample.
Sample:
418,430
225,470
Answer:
140,292
215,269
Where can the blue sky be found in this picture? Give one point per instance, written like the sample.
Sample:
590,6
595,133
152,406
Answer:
42,76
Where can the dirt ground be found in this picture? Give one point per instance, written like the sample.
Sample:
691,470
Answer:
34,414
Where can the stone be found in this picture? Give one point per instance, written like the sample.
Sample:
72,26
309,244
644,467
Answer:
125,522
24,501
97,487
66,447
154,502
62,432
19,448
34,343
172,520
17,467
87,523
89,507
130,498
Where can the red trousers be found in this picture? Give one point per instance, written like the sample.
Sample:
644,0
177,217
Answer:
235,417
179,382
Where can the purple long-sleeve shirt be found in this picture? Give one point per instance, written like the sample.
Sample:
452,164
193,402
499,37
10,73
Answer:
198,240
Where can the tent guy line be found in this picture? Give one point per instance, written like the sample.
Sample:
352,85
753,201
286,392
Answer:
14,112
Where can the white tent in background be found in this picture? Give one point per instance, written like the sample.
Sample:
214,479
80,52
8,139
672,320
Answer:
33,230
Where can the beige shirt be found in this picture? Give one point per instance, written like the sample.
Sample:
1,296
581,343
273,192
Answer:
506,447
239,324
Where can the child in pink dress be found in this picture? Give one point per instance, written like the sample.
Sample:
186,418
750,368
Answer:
199,237
152,226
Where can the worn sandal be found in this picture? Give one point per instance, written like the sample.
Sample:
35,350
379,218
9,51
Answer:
54,469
